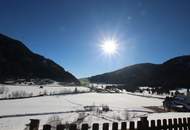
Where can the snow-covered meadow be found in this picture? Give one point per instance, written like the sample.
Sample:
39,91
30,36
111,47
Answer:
75,102
123,106
14,91
69,108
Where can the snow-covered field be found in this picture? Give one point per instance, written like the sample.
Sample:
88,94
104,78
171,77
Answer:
8,91
75,102
145,94
121,104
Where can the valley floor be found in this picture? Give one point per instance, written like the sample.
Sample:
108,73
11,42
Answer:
15,114
70,107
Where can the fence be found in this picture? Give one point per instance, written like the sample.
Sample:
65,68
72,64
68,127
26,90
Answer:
143,124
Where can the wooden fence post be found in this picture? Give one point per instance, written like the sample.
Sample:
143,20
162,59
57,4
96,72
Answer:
95,126
132,125
106,126
47,127
175,124
152,125
60,127
139,125
159,126
123,125
184,124
165,126
180,123
84,127
144,123
188,123
115,126
34,124
72,127
170,124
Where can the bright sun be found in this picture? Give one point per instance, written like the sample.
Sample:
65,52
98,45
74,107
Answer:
109,46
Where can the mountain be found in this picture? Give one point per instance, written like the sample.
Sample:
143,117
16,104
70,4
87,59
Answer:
174,73
19,62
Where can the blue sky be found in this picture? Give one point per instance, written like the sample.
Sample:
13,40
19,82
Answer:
70,31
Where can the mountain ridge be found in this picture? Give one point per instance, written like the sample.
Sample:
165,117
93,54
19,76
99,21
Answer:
18,61
173,73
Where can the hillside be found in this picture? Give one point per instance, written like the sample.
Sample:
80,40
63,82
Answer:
174,73
19,62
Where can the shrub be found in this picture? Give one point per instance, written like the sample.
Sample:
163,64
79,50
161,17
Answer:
116,117
3,90
54,121
126,115
18,94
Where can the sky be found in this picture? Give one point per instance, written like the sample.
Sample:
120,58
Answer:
70,31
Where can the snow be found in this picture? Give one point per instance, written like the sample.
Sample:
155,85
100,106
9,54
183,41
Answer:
35,90
168,115
182,90
146,94
19,122
124,106
117,102
75,102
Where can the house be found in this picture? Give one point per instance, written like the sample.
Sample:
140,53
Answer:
90,108
177,103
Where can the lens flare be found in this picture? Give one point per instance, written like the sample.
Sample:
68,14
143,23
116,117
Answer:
109,46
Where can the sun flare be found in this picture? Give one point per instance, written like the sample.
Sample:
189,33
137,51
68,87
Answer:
109,46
